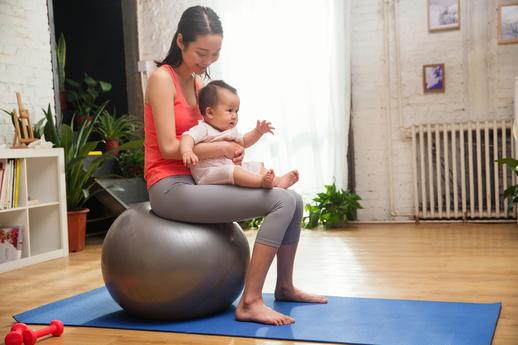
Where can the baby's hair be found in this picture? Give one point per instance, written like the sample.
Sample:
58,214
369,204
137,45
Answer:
208,96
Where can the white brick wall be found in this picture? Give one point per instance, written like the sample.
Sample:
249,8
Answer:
157,20
25,60
479,86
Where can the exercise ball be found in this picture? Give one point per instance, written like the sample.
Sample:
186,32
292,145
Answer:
156,268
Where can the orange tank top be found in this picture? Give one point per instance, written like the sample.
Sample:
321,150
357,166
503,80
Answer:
185,117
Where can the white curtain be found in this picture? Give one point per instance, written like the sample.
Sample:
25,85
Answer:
289,61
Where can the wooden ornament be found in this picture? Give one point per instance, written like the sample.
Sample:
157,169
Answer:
23,133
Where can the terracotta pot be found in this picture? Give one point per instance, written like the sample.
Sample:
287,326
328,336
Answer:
77,229
79,119
112,144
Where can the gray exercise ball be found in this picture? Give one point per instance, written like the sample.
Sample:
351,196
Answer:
161,269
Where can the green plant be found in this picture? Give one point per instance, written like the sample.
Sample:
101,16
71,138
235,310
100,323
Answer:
253,223
84,95
76,148
39,127
111,126
332,208
510,193
61,54
131,162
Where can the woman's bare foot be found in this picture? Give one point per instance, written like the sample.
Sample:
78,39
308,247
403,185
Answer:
287,180
295,295
259,312
268,179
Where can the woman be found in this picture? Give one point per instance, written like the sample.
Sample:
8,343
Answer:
170,109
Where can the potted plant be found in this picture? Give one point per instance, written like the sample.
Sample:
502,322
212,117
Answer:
131,162
84,97
511,193
76,147
333,208
115,129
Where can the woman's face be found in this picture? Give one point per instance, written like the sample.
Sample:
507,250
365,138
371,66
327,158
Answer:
201,53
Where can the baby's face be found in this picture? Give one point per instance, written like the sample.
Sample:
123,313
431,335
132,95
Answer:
225,114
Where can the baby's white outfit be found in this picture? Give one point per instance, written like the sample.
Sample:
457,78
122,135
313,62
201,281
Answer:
218,170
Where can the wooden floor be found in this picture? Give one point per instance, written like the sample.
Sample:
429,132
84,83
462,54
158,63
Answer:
447,262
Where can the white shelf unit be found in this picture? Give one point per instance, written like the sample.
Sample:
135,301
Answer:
42,206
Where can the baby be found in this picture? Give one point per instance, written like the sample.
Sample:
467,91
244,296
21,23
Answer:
219,105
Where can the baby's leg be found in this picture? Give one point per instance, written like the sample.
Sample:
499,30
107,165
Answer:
245,178
285,181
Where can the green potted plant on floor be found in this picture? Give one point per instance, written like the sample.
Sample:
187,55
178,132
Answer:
76,147
511,193
332,208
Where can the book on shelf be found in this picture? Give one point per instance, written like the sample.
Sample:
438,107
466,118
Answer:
16,183
11,240
8,188
3,182
10,182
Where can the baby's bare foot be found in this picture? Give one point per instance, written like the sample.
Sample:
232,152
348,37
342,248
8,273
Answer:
295,295
287,180
259,312
268,179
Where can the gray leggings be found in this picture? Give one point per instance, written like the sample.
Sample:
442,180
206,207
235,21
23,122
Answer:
179,198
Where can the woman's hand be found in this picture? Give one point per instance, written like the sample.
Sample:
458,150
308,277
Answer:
234,151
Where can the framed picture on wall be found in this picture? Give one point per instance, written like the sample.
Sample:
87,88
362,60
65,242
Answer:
507,23
443,15
434,78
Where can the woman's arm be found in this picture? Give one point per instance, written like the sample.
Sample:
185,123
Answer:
229,149
160,93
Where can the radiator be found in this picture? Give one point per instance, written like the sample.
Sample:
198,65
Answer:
455,173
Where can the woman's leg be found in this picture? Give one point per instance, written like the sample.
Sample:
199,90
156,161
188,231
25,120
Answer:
285,289
251,307
177,198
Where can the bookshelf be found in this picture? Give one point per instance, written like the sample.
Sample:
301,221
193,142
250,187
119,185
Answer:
41,206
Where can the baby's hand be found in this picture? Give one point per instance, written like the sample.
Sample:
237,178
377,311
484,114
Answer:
264,127
189,158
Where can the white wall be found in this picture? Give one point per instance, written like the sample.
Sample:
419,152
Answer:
479,86
157,20
25,60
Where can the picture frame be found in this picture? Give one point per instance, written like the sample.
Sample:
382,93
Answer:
443,15
507,23
434,78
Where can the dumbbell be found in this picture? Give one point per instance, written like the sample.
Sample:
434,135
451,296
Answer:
15,336
31,336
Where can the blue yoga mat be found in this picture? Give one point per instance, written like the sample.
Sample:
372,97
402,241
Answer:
342,320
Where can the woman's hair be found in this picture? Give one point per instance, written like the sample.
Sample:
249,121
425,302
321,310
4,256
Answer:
195,21
208,95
